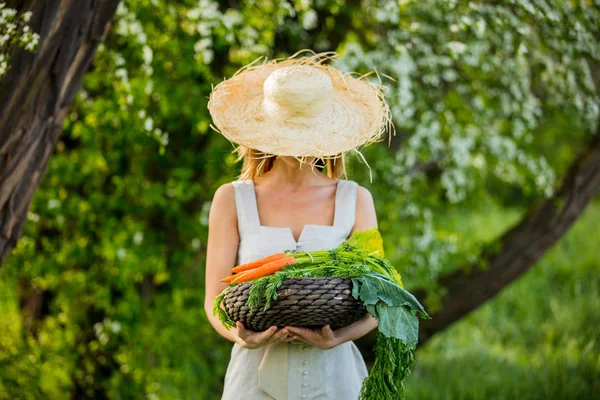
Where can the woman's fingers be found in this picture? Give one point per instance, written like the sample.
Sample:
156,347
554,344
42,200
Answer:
242,331
245,333
279,335
305,333
268,334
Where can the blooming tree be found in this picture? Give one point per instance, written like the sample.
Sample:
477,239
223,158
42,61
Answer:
494,105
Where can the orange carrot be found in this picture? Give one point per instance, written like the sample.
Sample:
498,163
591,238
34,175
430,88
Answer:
265,270
238,275
258,263
229,278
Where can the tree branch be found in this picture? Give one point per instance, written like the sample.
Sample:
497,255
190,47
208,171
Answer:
520,247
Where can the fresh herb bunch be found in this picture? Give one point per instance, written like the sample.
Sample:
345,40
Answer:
377,284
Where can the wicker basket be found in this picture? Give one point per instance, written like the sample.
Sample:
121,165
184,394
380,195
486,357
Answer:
305,302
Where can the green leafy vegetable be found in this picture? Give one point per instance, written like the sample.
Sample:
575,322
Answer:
217,310
393,361
396,322
373,287
391,305
370,239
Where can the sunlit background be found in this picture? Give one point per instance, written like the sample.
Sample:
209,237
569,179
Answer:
103,295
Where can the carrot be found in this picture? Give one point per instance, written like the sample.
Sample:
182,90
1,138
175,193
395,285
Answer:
265,270
229,278
239,275
258,263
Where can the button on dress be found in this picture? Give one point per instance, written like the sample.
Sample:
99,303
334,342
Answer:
293,370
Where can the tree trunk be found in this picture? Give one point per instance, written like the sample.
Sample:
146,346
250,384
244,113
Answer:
520,247
36,94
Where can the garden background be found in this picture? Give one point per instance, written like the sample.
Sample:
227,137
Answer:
487,195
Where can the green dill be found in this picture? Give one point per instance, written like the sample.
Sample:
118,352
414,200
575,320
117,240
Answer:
217,310
393,361
270,292
257,291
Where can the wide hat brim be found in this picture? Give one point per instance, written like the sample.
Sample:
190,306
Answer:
358,113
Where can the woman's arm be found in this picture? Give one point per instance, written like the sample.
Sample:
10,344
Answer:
356,330
221,251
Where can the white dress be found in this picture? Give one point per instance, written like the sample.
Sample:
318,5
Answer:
293,370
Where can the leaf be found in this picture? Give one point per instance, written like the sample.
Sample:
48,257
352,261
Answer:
371,288
355,288
369,239
373,311
397,322
397,277
394,308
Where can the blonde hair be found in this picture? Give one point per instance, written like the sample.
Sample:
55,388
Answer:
257,163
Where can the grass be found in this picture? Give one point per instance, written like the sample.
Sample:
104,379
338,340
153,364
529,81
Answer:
538,339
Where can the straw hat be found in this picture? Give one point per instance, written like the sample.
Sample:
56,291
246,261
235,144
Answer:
299,107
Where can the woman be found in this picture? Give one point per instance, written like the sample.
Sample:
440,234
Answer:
288,117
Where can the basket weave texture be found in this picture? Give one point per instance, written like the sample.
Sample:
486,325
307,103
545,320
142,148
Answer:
304,302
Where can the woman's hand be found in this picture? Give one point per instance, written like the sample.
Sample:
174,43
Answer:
253,340
324,338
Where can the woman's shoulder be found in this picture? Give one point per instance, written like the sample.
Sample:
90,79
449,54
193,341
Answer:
225,193
363,194
223,205
230,186
366,216
364,198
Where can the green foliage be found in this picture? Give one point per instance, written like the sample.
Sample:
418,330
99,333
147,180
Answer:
394,359
537,340
394,308
484,96
397,334
271,289
369,239
259,290
220,312
357,256
103,295
15,31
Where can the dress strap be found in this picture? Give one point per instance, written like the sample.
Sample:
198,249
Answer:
345,204
245,205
